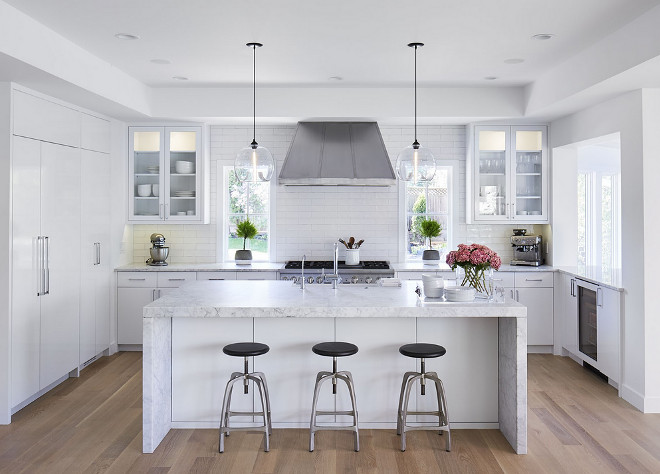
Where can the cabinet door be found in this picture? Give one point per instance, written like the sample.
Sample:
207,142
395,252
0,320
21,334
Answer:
130,302
609,313
95,269
146,168
42,119
539,314
569,316
491,171
256,275
26,282
94,133
60,223
183,184
216,275
529,174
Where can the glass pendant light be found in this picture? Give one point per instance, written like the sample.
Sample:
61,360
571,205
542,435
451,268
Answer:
415,163
254,163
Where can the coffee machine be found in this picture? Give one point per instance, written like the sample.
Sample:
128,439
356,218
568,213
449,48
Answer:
527,249
158,251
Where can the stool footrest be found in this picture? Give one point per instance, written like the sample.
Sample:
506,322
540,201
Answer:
231,429
337,428
245,413
347,413
429,428
431,413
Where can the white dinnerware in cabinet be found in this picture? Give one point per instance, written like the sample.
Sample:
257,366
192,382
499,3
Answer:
508,173
165,180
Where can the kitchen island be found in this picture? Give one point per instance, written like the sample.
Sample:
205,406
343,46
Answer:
484,370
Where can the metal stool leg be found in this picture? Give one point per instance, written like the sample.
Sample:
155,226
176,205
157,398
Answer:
264,409
351,391
263,380
401,395
224,414
320,378
404,413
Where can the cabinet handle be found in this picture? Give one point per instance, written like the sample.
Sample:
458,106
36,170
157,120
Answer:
511,294
508,213
159,293
153,295
533,279
47,265
98,260
160,212
136,279
176,279
573,287
517,296
599,297
165,213
219,279
513,210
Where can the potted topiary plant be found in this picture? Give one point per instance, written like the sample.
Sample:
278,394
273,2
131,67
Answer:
430,228
246,230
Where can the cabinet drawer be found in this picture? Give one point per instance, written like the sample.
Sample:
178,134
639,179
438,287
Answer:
136,279
533,279
503,279
175,279
256,275
216,275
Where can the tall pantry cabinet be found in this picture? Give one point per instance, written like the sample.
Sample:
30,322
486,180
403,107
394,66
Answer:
60,313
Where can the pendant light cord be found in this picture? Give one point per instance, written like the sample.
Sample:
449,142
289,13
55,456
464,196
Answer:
254,95
415,93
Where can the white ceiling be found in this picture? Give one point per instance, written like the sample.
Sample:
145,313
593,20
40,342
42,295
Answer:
307,42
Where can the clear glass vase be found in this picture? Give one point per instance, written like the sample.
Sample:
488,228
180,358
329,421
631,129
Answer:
479,279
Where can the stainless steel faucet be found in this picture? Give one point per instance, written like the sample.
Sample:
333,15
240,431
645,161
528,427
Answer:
302,277
335,278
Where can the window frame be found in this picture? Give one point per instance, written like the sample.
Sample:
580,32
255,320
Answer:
222,250
452,210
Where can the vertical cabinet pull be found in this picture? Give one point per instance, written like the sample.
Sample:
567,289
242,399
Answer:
517,296
599,297
98,253
153,295
47,265
160,211
40,266
572,287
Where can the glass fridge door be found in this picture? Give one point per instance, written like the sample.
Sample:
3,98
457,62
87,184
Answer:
587,322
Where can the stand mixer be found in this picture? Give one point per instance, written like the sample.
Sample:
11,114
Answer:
158,251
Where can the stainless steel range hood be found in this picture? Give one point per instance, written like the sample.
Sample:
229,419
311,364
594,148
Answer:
337,154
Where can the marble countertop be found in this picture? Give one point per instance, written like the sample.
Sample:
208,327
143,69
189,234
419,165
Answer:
273,299
596,276
202,267
443,267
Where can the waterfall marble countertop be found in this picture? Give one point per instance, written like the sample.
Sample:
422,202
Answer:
254,299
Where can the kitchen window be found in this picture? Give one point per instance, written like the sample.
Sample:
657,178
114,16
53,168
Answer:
246,201
434,200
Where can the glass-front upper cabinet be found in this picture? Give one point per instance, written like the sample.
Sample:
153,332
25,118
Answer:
165,182
510,174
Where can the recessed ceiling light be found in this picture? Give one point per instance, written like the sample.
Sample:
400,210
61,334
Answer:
514,61
336,78
543,36
160,61
179,78
126,36
490,78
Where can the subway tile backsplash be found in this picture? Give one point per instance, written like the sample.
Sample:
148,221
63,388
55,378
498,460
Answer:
308,220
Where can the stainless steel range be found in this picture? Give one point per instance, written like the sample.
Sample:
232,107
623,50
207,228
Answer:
367,272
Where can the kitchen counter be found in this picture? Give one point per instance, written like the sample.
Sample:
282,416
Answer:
443,267
201,267
595,275
184,371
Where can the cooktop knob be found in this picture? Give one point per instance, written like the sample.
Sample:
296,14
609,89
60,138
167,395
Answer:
354,279
285,278
319,279
368,280
310,279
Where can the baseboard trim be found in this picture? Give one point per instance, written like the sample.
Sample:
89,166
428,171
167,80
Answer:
633,397
130,347
540,349
29,400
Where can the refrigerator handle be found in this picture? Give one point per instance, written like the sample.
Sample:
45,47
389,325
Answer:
40,266
572,287
46,265
599,297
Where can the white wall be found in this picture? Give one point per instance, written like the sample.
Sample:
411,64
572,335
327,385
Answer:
624,114
310,219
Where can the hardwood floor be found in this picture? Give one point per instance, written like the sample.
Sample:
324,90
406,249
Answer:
93,424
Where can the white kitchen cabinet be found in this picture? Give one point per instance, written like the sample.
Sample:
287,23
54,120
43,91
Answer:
95,255
135,290
535,290
46,262
216,275
256,275
94,133
45,120
568,312
507,175
159,190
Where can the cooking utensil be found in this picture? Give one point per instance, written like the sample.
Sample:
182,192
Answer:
344,242
351,241
357,246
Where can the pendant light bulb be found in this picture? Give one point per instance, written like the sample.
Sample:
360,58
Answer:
254,163
415,163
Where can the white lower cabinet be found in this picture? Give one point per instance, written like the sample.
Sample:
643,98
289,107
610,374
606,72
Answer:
539,302
216,275
568,312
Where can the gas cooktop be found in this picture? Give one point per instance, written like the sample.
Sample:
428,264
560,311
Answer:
372,265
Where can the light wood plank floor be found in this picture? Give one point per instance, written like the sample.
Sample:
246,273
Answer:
93,424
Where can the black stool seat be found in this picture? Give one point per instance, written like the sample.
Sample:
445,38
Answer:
422,350
245,349
335,349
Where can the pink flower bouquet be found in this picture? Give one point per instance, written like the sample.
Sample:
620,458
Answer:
474,259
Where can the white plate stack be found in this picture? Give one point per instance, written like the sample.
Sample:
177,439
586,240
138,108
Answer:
184,193
433,285
459,293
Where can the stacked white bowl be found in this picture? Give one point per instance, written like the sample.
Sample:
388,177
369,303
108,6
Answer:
144,190
459,293
433,286
184,167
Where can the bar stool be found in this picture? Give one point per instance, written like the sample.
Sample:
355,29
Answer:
245,350
334,350
422,351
